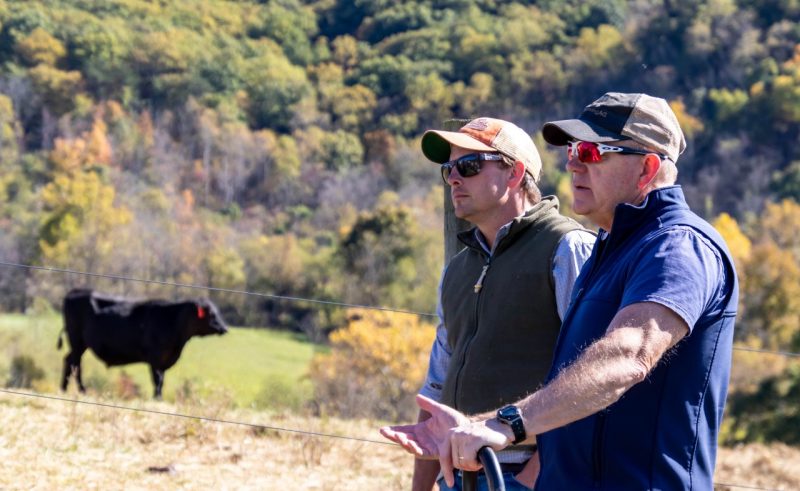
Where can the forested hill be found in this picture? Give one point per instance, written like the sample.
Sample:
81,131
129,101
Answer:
273,146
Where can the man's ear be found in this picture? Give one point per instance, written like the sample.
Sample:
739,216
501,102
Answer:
650,168
517,173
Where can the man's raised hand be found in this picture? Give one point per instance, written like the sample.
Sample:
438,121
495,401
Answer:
429,438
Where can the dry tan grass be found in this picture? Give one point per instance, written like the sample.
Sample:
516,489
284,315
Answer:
49,444
774,466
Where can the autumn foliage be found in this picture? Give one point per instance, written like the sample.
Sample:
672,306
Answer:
375,366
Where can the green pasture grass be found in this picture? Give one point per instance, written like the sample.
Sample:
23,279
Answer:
251,367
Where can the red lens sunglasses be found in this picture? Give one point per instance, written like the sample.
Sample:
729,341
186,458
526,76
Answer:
592,153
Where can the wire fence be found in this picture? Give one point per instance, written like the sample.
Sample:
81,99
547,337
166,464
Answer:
213,289
291,298
275,297
191,416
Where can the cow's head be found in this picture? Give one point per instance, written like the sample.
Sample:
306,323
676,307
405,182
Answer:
208,319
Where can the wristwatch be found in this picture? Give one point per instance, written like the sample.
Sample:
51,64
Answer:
511,416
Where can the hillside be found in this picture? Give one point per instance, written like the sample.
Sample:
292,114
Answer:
273,146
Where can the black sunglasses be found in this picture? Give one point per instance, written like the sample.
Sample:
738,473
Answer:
468,165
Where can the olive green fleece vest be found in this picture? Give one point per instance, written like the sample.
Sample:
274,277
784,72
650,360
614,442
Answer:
502,336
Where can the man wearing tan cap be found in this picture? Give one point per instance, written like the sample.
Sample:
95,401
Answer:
635,394
503,295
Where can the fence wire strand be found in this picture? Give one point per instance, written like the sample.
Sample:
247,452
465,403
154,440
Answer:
215,289
191,416
741,486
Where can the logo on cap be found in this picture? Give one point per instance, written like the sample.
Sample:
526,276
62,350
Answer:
479,124
598,112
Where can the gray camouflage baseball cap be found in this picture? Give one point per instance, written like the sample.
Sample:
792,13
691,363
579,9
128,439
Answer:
619,116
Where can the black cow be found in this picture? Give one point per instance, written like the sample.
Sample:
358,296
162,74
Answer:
121,331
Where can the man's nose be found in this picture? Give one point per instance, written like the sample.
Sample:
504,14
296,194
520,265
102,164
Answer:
575,165
454,178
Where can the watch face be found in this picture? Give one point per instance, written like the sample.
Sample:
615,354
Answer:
507,412
511,416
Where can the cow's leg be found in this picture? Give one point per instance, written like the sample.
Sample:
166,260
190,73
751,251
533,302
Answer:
75,367
78,377
66,374
72,365
158,381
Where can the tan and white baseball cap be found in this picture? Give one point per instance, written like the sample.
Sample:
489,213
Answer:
618,116
485,135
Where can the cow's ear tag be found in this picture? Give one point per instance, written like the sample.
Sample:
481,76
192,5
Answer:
201,313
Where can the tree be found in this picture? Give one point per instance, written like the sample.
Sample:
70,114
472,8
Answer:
771,290
40,47
80,218
274,87
289,23
336,151
779,224
102,50
727,107
17,208
78,225
381,253
688,123
738,243
786,183
286,265
352,107
10,134
599,55
56,87
165,61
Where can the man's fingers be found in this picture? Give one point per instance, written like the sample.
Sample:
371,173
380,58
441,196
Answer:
446,464
409,444
468,460
389,433
401,439
415,449
405,437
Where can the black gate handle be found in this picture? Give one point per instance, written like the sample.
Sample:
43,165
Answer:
491,467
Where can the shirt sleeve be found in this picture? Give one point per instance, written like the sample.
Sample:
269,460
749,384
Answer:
681,270
440,355
571,253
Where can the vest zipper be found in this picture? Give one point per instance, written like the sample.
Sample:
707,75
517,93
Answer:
477,289
479,283
597,449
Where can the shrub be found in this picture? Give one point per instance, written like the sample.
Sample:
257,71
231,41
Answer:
24,372
282,393
376,365
770,414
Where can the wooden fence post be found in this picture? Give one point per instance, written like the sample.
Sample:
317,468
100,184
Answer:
452,224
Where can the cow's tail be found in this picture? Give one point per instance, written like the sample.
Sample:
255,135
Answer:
60,339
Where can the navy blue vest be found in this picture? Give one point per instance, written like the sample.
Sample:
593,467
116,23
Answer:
662,433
